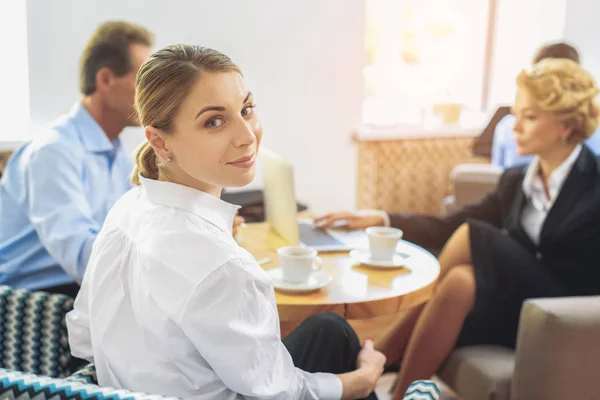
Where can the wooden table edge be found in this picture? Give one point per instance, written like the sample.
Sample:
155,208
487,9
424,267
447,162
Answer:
358,310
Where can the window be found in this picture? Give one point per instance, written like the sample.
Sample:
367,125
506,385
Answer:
14,101
425,62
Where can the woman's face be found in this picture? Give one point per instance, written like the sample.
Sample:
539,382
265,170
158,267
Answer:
216,134
536,131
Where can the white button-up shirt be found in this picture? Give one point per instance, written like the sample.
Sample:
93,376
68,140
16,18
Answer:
538,205
171,305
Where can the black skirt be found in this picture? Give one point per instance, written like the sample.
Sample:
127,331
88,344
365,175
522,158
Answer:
506,274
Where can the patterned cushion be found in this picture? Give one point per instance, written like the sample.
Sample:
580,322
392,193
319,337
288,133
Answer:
418,390
82,385
422,390
86,374
33,332
23,386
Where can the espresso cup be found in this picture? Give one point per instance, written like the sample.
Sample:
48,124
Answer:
298,263
383,241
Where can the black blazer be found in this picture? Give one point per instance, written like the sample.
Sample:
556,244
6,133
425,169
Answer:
570,238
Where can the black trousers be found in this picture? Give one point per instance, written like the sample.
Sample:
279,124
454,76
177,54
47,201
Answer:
324,343
70,289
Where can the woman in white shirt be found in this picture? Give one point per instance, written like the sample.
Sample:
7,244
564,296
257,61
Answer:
535,235
170,304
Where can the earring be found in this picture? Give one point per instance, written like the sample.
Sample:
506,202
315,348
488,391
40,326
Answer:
169,160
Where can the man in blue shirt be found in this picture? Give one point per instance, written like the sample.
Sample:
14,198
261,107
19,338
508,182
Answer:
55,191
504,146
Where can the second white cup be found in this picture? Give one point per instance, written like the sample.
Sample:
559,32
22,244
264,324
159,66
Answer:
383,241
298,263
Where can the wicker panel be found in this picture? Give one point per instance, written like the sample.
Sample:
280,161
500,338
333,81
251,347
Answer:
4,155
409,175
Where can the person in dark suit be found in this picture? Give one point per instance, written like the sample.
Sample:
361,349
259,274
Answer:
536,235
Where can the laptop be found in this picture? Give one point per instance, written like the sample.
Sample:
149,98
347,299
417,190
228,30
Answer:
281,212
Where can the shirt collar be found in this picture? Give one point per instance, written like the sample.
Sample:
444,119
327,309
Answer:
92,135
210,208
532,181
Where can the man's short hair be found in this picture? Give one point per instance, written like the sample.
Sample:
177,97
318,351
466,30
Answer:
556,50
108,46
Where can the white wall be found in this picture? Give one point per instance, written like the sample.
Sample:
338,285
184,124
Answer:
522,26
14,101
582,29
302,60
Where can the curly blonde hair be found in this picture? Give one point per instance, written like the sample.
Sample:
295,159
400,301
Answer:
563,88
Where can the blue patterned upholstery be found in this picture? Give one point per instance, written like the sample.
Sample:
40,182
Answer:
86,374
33,332
422,390
418,390
24,386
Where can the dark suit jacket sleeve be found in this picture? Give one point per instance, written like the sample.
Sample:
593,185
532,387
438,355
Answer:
433,232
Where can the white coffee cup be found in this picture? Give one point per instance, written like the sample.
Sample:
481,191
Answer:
298,263
383,241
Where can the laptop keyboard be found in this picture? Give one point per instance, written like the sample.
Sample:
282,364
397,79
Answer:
311,235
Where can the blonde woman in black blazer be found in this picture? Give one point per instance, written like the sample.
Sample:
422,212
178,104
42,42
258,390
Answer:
536,235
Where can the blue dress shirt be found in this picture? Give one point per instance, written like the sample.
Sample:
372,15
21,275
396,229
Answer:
504,146
55,193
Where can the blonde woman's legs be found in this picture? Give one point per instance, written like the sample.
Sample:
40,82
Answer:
437,327
457,251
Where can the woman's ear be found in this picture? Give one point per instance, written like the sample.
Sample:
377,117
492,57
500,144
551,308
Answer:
567,132
156,138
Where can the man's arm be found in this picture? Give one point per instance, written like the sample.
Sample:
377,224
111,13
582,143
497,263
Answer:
59,210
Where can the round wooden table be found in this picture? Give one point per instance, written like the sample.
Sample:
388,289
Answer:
357,291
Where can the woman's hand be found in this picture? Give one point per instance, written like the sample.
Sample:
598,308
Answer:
371,359
359,220
238,223
360,383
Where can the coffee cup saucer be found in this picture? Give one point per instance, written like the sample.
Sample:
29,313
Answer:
316,281
363,256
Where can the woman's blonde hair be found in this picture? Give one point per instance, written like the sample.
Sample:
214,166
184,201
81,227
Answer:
565,89
162,84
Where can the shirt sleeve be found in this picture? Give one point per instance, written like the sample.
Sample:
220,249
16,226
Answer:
78,326
383,214
432,232
59,210
232,320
